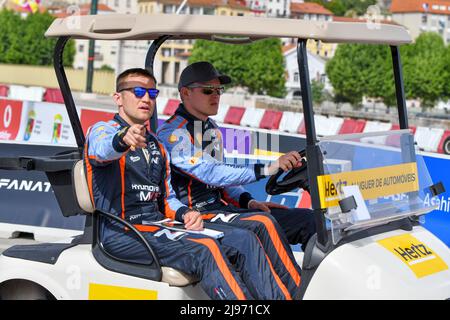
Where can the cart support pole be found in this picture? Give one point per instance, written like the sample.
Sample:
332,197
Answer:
399,86
315,162
66,92
149,64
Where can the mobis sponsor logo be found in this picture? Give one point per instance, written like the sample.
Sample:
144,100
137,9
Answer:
24,185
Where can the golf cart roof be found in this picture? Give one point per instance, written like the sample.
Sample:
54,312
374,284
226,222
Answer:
151,27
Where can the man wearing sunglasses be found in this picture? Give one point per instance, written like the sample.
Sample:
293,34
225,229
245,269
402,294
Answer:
200,177
128,174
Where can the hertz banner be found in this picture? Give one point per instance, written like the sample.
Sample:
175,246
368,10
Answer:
373,183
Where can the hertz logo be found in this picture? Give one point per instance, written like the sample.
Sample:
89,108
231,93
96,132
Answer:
415,254
333,189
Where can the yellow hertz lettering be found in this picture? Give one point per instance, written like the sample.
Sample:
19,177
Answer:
419,257
373,183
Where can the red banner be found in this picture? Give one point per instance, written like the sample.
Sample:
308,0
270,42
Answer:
10,116
90,117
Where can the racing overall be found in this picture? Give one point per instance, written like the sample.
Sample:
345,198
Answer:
135,185
203,181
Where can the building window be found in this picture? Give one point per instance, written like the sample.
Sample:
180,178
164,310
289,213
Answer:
208,11
81,48
168,9
116,3
166,52
176,74
296,76
178,52
424,18
128,3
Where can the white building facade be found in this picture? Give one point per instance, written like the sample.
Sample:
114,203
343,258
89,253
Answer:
316,71
423,16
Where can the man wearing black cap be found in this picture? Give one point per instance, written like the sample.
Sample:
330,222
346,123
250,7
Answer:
200,178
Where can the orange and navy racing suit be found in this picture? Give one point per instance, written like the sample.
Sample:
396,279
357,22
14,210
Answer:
135,185
201,180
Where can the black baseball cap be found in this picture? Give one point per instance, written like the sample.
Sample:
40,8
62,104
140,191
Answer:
201,72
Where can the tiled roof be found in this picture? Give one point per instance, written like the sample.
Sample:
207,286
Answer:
85,9
430,6
288,47
310,7
348,19
192,3
237,4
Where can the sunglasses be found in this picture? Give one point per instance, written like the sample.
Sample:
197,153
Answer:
208,90
139,92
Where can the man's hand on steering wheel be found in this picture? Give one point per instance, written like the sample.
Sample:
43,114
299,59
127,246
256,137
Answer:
297,177
286,162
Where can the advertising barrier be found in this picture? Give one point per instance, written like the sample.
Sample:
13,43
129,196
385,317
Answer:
37,128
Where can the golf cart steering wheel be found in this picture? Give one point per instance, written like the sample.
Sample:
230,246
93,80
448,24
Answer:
296,178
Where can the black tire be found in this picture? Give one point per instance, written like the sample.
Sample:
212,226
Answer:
446,146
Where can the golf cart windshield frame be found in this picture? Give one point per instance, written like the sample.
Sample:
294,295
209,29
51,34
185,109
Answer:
137,27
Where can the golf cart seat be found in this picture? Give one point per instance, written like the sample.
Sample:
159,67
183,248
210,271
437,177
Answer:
169,275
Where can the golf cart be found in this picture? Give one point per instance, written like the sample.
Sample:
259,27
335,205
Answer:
367,190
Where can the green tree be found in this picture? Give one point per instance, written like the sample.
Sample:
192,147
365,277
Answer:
426,68
447,73
346,7
258,66
317,91
359,70
11,31
22,40
106,68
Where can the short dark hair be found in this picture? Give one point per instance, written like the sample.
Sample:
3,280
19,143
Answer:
134,71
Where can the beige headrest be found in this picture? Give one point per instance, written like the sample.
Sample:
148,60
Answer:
81,187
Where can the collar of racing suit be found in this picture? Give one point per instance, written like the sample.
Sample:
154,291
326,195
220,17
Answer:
121,121
182,111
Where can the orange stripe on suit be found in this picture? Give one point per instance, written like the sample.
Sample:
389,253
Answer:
278,245
223,267
89,174
168,212
122,162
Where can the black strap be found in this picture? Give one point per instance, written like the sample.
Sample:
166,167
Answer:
37,163
16,164
437,189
